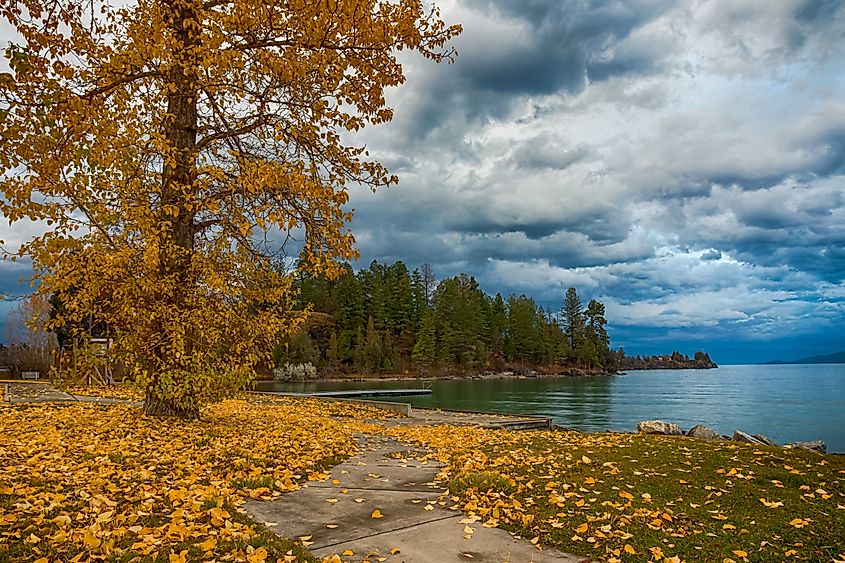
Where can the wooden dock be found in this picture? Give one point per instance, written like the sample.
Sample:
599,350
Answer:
351,394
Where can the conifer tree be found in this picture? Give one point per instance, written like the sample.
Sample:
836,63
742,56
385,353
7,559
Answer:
522,326
446,345
425,347
373,356
573,320
498,326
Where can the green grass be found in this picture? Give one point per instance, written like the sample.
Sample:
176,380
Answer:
483,481
698,501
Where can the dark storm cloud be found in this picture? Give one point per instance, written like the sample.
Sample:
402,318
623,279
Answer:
711,255
526,69
793,223
513,49
682,161
822,13
832,160
590,24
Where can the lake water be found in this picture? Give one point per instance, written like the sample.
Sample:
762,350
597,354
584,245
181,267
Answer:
784,402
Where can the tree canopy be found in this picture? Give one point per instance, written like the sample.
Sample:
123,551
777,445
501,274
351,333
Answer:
378,321
173,146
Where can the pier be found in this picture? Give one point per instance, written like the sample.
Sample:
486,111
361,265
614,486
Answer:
355,393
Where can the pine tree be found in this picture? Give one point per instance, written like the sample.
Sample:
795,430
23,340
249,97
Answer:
372,348
429,282
595,323
418,297
498,326
522,326
425,348
446,346
573,320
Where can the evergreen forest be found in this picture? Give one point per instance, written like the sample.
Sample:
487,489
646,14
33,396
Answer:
387,319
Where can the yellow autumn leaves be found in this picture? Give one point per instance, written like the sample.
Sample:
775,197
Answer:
86,480
90,481
624,497
172,142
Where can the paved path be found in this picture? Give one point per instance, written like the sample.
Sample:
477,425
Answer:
26,392
389,476
44,392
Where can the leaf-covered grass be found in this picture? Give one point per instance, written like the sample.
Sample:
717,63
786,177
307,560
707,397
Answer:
104,482
625,497
86,482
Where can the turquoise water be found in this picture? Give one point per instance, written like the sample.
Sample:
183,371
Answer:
784,402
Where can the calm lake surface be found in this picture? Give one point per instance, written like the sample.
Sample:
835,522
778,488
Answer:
784,402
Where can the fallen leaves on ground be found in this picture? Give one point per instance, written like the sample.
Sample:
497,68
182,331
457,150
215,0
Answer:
631,497
103,482
98,482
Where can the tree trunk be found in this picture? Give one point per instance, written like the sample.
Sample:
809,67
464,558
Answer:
178,179
156,406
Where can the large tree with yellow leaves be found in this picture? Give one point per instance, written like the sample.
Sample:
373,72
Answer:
168,144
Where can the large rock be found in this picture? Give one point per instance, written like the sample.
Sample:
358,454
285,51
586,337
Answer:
757,439
764,439
813,446
659,427
703,433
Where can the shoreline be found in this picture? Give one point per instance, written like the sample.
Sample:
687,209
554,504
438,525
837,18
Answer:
485,375
517,373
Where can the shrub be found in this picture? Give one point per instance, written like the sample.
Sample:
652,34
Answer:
294,372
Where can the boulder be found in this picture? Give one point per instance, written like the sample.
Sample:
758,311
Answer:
813,446
740,436
659,427
703,433
764,439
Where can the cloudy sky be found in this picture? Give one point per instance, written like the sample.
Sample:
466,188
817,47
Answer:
682,161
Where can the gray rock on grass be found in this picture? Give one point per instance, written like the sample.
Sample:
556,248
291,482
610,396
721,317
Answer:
756,439
703,433
764,439
659,427
814,446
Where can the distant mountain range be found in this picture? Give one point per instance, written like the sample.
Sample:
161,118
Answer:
835,358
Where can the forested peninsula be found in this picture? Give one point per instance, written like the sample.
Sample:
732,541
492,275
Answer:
386,320
675,360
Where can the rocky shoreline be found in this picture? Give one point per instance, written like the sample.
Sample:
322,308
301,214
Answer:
702,432
486,374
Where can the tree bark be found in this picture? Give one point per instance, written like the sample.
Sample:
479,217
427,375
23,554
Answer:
156,406
178,179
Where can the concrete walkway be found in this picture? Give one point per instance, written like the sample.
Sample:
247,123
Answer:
16,392
336,516
33,392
